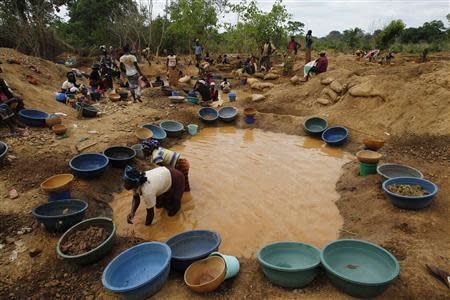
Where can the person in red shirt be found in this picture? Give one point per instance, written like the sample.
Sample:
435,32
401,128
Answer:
293,46
322,63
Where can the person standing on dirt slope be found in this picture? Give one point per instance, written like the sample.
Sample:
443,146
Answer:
171,65
107,67
198,53
162,187
130,68
293,46
309,42
167,158
95,80
266,51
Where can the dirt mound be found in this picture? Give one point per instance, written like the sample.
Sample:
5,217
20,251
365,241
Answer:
84,241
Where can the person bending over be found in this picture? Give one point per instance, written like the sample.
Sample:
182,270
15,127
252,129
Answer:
162,187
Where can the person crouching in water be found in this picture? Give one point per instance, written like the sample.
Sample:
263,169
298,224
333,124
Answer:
162,187
165,157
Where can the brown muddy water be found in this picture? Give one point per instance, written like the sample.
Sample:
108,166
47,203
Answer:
253,187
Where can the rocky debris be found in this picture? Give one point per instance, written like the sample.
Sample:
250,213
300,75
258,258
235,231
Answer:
262,86
295,79
327,80
251,81
365,89
330,93
271,76
84,240
258,97
259,75
34,252
13,194
337,87
323,101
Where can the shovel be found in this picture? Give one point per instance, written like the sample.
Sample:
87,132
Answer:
440,274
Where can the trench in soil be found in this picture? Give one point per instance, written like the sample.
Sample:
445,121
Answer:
251,186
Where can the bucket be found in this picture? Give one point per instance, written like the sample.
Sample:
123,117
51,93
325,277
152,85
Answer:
367,169
249,119
175,93
231,264
55,196
232,96
192,129
139,150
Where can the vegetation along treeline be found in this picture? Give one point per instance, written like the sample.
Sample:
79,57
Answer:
35,27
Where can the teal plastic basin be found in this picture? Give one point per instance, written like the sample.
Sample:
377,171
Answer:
315,125
289,264
359,268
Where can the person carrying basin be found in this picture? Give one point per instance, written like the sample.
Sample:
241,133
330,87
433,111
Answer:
162,187
165,157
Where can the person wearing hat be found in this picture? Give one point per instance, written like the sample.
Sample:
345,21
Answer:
162,187
95,80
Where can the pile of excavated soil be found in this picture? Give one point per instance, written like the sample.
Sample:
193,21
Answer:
84,241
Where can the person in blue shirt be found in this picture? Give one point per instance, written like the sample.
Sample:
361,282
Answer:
198,53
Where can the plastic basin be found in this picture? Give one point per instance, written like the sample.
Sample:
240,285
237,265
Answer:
95,254
57,183
172,128
387,171
193,245
335,136
119,156
143,133
176,99
249,119
192,99
89,111
411,202
192,129
139,272
3,150
315,126
33,117
231,263
232,96
139,150
373,144
228,114
208,114
58,216
359,268
249,112
368,156
289,264
158,133
89,165
205,275
367,169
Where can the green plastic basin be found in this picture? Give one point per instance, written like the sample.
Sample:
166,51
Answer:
359,268
289,264
95,254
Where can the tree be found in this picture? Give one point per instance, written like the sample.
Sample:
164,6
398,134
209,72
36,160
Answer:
353,37
388,35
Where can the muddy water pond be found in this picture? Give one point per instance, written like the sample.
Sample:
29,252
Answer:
253,187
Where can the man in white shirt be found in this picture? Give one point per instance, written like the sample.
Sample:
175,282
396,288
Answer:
130,68
162,187
70,85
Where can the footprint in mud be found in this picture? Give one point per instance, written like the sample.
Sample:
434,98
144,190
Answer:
395,249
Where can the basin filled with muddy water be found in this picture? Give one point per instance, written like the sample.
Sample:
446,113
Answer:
253,187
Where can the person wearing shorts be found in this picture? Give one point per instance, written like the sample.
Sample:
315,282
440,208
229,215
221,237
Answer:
130,68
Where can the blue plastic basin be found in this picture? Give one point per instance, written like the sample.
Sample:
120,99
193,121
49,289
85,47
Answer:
208,114
359,268
89,165
33,117
158,133
387,171
315,125
228,114
58,216
172,128
3,150
138,272
335,136
289,264
411,202
190,246
119,156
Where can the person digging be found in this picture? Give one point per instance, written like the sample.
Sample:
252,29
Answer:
162,187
